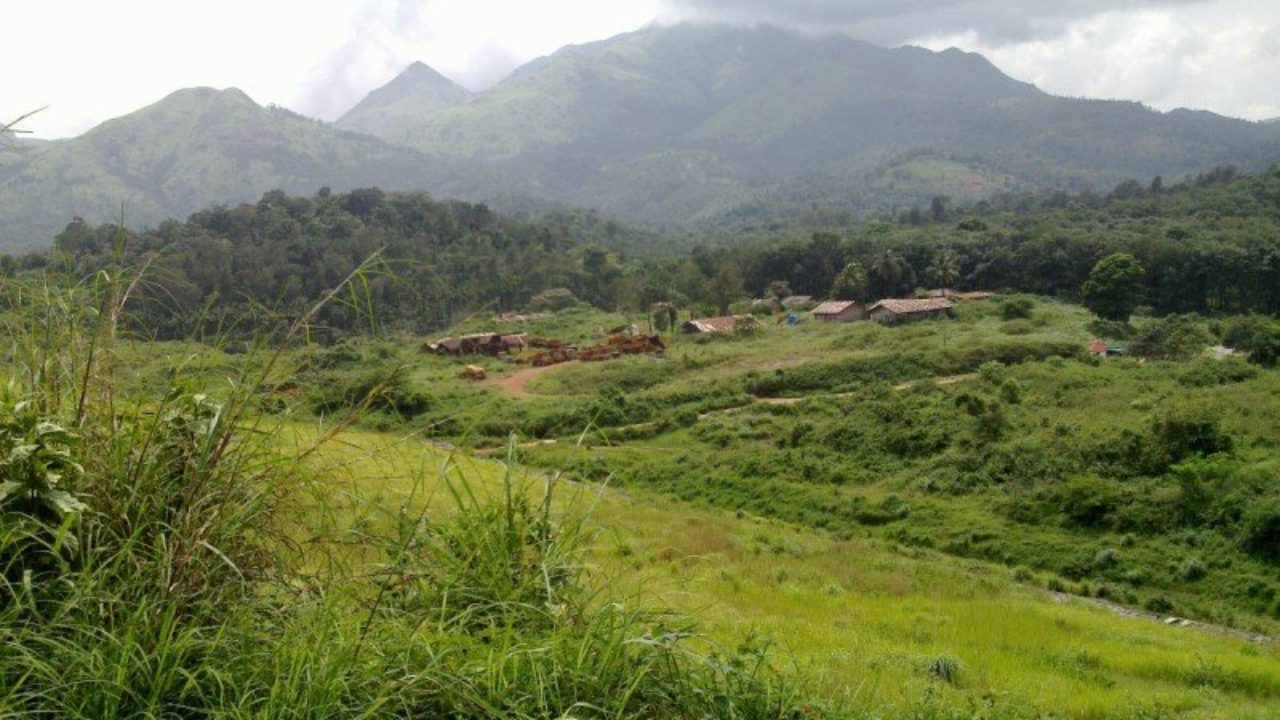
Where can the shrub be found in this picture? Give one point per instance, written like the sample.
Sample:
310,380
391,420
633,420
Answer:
1260,530
1111,329
1017,308
993,373
1208,372
1105,558
553,300
1088,500
1179,432
380,390
1011,392
944,667
1192,570
1257,335
1177,337
38,467
1016,327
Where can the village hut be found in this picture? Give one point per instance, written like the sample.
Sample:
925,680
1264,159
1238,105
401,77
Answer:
797,302
709,326
892,312
444,346
513,343
840,311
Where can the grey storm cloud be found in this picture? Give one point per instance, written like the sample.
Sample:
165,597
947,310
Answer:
996,22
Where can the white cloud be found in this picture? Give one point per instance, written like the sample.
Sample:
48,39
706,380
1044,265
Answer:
92,60
1222,57
474,42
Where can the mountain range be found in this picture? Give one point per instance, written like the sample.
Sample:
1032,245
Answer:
671,126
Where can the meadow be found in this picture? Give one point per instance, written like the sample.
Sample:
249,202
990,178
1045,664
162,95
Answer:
881,629
980,436
954,519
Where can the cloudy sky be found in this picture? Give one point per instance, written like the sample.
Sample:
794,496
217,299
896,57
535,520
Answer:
90,60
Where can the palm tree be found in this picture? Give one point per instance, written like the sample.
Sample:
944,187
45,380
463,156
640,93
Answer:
890,274
944,271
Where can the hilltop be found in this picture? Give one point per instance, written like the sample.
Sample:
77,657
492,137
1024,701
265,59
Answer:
191,149
414,95
693,123
685,127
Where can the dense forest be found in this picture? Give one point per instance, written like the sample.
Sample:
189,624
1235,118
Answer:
1210,244
434,261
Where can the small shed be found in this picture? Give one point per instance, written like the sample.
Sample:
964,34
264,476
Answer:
767,305
840,311
892,312
514,343
480,343
707,326
974,295
444,346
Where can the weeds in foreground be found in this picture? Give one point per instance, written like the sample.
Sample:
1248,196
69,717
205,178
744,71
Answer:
143,575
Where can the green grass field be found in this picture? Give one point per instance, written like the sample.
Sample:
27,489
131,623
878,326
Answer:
897,510
890,630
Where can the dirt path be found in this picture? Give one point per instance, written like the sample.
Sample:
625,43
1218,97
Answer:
1171,621
498,451
517,383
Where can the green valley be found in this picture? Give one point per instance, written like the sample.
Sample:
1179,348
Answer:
702,372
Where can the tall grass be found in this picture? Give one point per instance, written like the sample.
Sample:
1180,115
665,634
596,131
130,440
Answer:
145,573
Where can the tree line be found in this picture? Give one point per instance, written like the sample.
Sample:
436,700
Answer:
1207,245
437,261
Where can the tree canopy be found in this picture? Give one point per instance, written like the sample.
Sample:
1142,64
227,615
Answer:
1114,287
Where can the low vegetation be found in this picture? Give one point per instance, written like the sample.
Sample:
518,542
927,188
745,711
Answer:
1018,509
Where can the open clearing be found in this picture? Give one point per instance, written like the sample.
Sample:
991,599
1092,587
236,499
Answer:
517,383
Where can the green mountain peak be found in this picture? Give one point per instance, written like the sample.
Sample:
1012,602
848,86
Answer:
418,92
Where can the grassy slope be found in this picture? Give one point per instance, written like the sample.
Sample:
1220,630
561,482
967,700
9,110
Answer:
864,618
870,619
714,461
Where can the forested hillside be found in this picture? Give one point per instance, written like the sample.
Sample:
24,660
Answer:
437,260
701,127
192,149
1210,245
696,123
